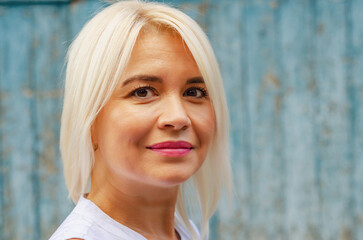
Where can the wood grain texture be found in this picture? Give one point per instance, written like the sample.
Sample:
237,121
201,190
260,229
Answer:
17,137
50,44
355,89
293,77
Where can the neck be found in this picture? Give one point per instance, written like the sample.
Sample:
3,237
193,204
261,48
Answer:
146,209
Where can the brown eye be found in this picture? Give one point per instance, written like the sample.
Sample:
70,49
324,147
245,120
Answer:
143,92
195,92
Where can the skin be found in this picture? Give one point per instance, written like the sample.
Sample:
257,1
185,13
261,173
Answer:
155,102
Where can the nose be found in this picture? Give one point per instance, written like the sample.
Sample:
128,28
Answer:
173,115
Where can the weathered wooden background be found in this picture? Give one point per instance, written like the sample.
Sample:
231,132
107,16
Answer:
293,72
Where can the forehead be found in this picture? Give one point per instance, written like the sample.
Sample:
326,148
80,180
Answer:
158,40
160,53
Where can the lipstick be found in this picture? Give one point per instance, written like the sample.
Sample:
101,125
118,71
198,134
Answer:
171,148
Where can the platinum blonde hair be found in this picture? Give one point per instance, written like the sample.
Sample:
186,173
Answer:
95,61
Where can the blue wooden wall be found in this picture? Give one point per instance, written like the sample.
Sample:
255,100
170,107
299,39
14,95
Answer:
293,72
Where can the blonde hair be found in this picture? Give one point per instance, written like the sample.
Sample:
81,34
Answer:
96,60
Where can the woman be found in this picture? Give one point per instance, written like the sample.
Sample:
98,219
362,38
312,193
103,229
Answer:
144,126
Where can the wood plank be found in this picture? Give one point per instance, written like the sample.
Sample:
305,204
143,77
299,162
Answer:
50,45
2,123
332,120
225,32
17,137
355,54
264,93
302,203
58,27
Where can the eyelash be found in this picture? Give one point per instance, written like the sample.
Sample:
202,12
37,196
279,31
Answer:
203,90
133,92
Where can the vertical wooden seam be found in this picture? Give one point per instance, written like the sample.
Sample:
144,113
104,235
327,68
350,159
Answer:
317,152
34,130
349,60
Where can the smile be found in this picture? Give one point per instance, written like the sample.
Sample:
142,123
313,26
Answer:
172,149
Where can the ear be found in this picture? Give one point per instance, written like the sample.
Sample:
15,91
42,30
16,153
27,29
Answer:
94,137
93,132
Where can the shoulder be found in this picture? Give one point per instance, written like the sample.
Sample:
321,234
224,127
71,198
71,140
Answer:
76,225
73,227
87,221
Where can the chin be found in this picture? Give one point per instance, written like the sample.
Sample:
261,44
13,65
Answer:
174,178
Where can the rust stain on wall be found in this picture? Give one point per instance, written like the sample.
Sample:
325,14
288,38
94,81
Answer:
312,232
320,29
203,7
44,94
271,79
346,234
48,153
74,4
278,103
274,4
312,85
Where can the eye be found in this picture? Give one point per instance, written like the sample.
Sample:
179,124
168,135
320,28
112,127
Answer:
196,92
143,92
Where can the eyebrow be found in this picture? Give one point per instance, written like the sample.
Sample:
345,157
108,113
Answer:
145,78
151,78
195,80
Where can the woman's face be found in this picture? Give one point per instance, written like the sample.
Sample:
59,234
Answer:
157,127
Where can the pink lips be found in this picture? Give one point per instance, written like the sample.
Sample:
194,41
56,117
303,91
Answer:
172,149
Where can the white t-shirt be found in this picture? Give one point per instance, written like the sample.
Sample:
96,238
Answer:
89,222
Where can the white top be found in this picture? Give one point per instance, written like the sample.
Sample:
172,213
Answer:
89,222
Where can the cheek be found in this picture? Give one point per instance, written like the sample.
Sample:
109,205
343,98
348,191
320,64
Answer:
129,124
120,132
204,124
